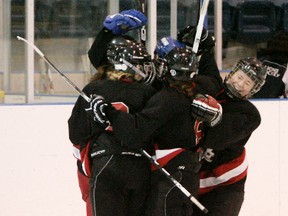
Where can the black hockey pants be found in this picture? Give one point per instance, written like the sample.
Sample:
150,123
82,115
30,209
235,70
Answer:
165,198
224,200
119,185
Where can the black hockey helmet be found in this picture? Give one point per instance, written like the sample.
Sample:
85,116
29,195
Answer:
129,56
254,69
187,36
180,64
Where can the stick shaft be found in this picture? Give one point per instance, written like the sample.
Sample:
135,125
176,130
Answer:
51,65
175,182
143,33
68,80
203,12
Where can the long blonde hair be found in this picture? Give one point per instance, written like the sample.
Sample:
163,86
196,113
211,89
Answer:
108,72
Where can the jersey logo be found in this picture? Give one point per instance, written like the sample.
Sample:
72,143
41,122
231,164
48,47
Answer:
198,128
208,155
274,69
121,107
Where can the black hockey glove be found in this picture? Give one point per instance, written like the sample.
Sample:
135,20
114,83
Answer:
205,108
97,110
187,36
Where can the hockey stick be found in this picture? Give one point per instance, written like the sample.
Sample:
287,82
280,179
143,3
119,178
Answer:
46,78
197,39
50,81
143,28
51,65
175,182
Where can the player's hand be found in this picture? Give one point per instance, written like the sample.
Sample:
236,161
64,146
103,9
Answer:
96,108
121,23
187,36
206,108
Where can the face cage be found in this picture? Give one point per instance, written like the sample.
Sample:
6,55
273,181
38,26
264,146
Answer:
145,70
247,69
150,71
160,67
231,91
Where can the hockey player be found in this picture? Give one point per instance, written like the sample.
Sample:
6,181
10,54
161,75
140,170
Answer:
119,178
187,36
82,129
275,58
223,174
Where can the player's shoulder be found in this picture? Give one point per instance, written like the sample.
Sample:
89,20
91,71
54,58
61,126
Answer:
171,97
170,93
250,108
242,106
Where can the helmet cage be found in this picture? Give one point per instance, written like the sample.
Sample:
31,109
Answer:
254,70
150,71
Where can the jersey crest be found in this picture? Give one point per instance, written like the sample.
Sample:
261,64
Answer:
198,128
274,69
121,107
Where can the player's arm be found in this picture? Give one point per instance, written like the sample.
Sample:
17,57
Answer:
138,129
208,67
237,124
79,127
97,52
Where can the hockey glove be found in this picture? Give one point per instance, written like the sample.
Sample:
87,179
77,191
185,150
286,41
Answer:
205,108
97,110
121,23
187,36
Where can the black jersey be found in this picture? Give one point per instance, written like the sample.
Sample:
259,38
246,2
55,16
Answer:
165,120
208,67
227,139
129,97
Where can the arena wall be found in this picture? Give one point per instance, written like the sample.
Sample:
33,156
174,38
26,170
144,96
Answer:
39,172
